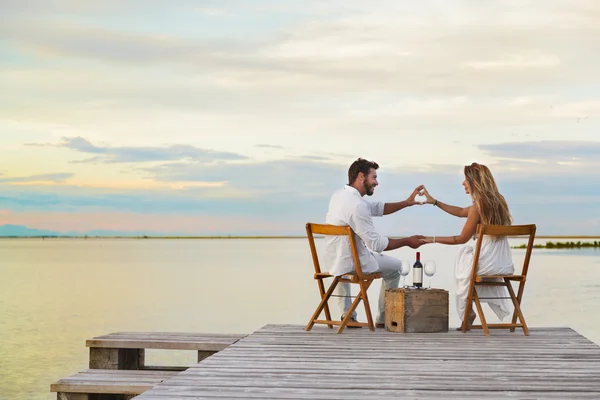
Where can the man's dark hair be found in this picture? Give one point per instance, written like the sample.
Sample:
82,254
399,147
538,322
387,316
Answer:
360,165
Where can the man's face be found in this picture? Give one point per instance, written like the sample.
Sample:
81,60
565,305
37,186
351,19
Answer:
370,181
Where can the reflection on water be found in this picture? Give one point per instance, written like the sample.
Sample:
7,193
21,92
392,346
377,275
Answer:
55,294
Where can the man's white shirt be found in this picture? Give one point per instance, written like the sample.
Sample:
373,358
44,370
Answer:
347,207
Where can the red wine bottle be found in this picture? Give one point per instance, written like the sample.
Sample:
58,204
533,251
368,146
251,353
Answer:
418,272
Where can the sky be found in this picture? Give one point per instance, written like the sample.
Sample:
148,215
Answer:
242,117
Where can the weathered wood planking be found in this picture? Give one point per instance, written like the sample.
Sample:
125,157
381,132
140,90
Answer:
96,381
286,362
126,350
164,340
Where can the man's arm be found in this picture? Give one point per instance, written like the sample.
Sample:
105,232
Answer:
390,208
362,224
413,242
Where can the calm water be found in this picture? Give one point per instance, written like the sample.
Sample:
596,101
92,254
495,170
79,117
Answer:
55,294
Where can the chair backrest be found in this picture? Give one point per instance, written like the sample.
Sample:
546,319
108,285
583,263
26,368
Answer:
332,230
509,231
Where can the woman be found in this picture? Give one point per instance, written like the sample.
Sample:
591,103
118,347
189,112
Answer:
490,208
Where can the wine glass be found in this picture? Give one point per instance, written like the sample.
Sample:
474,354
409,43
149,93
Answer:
404,271
429,269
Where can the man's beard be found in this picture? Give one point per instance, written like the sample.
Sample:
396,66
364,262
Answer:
369,189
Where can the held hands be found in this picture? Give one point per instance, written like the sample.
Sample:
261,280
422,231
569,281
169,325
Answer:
416,241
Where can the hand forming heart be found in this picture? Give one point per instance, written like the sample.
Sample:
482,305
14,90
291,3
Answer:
416,197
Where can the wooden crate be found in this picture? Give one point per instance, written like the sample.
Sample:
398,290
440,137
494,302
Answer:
416,310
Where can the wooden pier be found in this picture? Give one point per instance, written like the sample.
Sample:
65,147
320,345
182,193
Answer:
286,362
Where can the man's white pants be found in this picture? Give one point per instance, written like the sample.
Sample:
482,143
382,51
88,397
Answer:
389,267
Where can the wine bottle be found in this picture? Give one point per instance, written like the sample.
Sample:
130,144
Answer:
418,272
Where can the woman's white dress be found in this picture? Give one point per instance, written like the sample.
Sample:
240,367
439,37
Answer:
495,258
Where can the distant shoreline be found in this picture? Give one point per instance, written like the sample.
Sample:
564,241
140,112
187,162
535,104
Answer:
229,237
562,245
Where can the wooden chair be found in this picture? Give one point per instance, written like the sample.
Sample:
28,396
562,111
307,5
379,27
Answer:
363,280
489,280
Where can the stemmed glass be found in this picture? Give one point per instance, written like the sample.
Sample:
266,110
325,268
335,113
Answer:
429,269
404,271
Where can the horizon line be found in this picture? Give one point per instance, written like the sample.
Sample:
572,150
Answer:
233,237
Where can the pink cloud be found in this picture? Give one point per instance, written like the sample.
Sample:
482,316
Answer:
118,221
4,214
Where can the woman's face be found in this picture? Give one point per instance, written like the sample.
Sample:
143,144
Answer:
466,186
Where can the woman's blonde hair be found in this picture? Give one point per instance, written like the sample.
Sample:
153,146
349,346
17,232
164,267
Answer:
493,209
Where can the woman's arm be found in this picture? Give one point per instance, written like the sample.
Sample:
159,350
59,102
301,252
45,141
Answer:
452,210
467,233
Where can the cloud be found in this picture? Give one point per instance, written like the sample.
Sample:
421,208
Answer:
55,178
46,7
306,178
517,62
293,192
269,146
341,72
264,179
547,150
68,39
40,145
119,223
83,145
108,154
361,47
579,160
311,158
336,75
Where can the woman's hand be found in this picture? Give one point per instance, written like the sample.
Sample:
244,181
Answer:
429,198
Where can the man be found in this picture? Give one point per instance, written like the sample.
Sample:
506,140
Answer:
347,207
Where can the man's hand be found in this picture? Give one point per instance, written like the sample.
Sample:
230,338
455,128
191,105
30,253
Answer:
411,200
390,208
416,241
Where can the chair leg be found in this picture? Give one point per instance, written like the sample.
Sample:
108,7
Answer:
515,315
484,325
468,308
350,311
321,306
364,286
517,303
327,313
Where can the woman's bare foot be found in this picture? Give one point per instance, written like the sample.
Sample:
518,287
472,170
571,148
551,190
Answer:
472,317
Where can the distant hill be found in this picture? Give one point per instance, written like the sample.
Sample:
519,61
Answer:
19,230
23,231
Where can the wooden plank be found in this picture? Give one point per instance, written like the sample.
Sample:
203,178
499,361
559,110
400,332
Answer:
164,340
512,230
286,362
405,394
111,381
326,229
